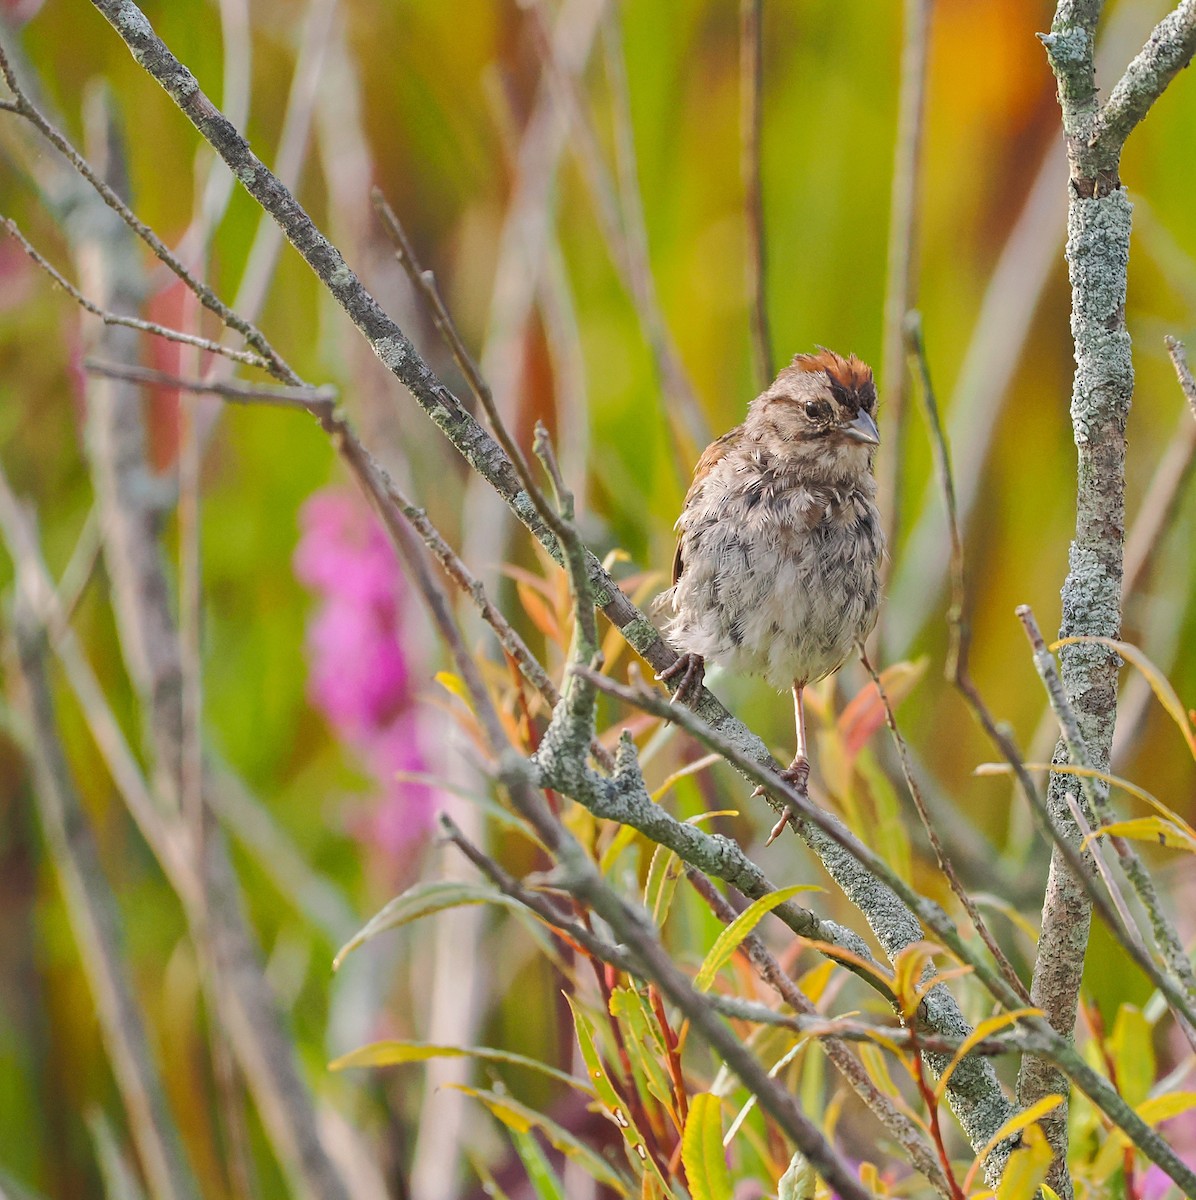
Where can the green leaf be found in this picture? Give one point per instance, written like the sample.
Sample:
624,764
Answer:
664,871
728,941
702,1150
421,901
1132,1048
521,1119
610,1099
645,1045
799,1182
539,1170
393,1053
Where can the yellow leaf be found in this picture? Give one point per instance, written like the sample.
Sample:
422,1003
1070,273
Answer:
1148,829
728,941
702,1150
1159,683
455,686
1163,1108
1019,1121
983,1030
1116,781
1026,1168
520,1118
395,1053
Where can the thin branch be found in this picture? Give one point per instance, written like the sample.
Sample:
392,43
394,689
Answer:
25,107
940,854
899,1126
1167,51
1179,360
751,120
1179,987
901,291
305,399
111,318
616,210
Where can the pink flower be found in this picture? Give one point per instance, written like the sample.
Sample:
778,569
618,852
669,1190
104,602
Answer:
359,672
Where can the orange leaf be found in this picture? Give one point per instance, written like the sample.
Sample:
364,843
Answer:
864,713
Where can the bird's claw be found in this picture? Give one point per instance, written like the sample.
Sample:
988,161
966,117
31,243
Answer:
797,776
692,671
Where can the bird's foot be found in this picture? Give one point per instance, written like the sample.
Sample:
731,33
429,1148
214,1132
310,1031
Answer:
691,668
797,776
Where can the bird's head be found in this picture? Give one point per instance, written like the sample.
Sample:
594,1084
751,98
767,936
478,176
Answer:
821,411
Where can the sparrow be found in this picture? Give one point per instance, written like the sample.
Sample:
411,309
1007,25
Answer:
777,569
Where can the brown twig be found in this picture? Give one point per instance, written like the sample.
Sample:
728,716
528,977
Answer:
111,318
306,399
1179,360
24,107
1179,987
902,270
940,854
751,120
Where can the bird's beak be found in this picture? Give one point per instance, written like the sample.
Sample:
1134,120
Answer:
862,429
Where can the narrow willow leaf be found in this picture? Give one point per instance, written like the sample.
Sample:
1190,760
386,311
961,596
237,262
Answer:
539,1170
692,768
1148,829
520,1118
1131,789
1019,1121
645,1045
664,870
1132,1048
728,941
421,901
1159,683
609,1098
393,1053
1027,1167
1163,1108
983,1030
702,1150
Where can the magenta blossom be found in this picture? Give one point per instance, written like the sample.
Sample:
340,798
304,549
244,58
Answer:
358,653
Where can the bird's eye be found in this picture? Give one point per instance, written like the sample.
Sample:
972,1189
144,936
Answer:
818,410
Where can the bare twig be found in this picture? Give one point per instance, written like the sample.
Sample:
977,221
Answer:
1179,359
902,272
940,854
111,318
306,399
25,107
751,120
1179,987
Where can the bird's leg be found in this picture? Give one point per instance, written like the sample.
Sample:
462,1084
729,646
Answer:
797,774
692,670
